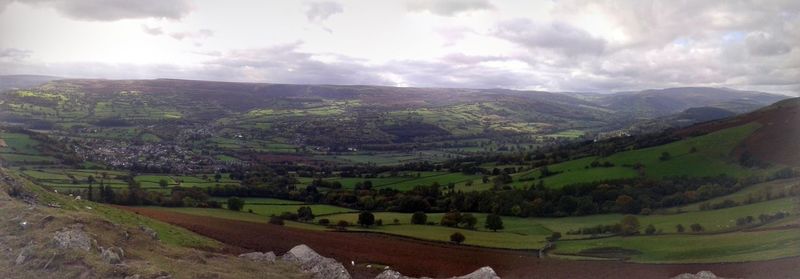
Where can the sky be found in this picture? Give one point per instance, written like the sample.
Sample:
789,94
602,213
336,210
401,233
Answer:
551,45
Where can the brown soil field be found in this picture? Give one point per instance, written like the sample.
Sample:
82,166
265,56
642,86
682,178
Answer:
420,258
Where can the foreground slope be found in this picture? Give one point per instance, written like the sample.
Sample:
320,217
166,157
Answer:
46,235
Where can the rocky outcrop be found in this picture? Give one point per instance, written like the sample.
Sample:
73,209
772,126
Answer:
315,264
700,275
74,238
268,257
482,273
149,231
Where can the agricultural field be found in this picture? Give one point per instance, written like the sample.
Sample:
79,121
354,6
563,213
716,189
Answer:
706,155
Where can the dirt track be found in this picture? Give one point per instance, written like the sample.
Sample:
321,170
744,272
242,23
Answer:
418,258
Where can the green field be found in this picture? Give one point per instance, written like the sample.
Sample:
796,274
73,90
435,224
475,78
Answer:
712,157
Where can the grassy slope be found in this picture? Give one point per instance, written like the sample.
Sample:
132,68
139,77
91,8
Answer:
712,158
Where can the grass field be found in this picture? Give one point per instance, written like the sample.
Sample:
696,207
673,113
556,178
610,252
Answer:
712,157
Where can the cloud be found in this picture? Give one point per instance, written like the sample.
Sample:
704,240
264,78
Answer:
318,12
765,44
199,34
448,7
13,54
155,31
556,36
112,10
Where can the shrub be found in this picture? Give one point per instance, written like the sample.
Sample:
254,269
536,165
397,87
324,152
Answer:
554,237
696,227
650,229
366,219
342,224
324,221
494,222
275,220
419,218
457,238
235,204
468,221
304,213
630,225
451,219
680,228
379,222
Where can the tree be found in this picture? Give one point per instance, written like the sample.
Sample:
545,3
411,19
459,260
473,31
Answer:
696,227
366,219
457,238
494,222
665,156
235,204
90,180
650,229
451,219
342,225
304,213
468,221
217,177
630,225
555,236
679,228
163,183
419,218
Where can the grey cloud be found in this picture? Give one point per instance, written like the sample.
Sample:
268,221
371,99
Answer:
557,36
765,44
13,54
112,10
448,7
200,34
318,12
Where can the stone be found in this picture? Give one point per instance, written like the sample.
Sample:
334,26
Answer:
482,273
74,238
151,232
135,276
700,275
259,257
23,255
113,255
320,267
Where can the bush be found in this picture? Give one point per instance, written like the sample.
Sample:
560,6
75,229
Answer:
304,213
650,229
366,219
275,220
630,225
451,219
419,218
494,222
235,204
289,216
342,225
696,227
554,237
680,228
379,222
324,221
468,221
457,238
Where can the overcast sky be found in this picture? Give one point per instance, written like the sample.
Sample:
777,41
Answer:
559,45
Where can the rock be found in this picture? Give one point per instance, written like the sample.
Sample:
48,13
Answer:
151,232
23,255
259,257
74,238
112,255
135,276
700,275
319,266
482,273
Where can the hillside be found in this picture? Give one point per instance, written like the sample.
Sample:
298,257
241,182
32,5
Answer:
661,102
48,235
776,141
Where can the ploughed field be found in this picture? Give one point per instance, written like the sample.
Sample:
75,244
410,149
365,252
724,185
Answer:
418,258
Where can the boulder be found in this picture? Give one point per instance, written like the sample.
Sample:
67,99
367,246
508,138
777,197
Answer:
700,275
74,238
319,266
268,257
112,255
135,276
23,255
149,231
482,273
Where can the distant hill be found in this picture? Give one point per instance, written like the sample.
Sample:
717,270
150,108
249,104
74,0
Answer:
776,141
662,102
23,81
